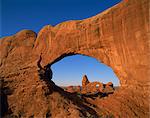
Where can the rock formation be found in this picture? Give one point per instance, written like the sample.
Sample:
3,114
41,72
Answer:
109,84
85,81
70,89
117,37
78,88
108,88
92,87
73,89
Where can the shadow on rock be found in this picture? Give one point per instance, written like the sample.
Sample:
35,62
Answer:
4,92
76,101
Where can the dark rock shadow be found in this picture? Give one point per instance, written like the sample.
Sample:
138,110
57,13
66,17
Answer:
3,99
45,74
4,104
96,94
4,92
76,101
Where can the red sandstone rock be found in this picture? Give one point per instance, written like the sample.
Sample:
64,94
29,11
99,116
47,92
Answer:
108,88
73,89
78,89
93,87
109,84
118,37
70,89
85,81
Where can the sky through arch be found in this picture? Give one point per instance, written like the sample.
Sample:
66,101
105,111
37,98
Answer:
70,70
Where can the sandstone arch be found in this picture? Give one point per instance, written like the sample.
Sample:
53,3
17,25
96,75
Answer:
96,37
91,87
117,37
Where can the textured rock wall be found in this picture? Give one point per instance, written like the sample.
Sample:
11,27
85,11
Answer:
85,81
118,37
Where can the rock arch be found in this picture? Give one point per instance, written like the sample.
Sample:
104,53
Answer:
118,37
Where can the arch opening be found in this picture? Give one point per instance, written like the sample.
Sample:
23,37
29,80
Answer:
97,85
69,70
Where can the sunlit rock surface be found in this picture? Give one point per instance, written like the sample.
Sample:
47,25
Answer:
117,37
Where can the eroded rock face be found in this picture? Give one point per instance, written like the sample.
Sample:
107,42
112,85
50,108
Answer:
118,37
109,84
85,81
108,88
93,87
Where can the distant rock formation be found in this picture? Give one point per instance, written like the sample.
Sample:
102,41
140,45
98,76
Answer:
78,89
85,81
73,89
108,88
109,84
70,89
92,87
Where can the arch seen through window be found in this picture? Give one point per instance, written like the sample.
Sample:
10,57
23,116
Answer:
70,70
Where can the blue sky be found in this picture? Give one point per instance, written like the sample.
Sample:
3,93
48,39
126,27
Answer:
34,14
70,70
17,15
